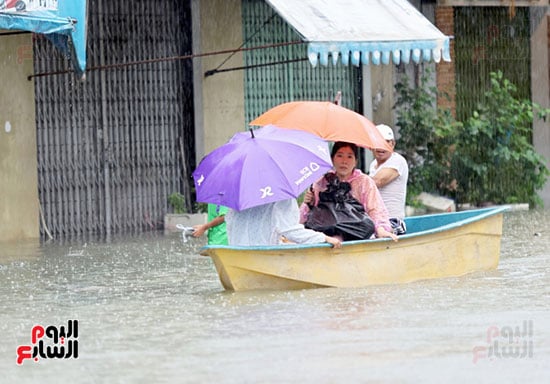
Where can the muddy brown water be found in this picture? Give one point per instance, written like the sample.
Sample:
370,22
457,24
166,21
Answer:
151,310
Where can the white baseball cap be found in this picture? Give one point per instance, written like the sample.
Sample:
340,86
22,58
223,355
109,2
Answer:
387,132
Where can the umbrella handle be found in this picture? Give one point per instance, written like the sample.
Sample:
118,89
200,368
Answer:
310,204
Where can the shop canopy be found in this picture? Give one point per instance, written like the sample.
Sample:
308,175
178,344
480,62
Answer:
364,31
61,21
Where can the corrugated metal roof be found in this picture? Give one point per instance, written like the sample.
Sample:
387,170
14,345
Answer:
364,31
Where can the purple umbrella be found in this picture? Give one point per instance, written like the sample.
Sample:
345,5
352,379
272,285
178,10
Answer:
261,166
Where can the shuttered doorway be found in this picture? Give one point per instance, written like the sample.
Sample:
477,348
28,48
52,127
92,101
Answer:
113,147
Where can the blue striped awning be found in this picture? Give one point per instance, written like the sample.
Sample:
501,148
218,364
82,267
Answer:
364,31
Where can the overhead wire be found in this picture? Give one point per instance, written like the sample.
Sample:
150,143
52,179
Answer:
164,59
216,70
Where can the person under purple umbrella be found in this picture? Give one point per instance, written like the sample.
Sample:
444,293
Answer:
272,224
258,175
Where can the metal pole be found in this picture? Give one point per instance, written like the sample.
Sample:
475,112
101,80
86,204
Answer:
104,128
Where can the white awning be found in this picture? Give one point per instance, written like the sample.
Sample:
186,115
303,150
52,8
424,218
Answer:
364,31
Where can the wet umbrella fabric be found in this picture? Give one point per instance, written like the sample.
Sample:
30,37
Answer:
327,120
262,166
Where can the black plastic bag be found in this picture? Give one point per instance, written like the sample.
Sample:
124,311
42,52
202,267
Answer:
338,213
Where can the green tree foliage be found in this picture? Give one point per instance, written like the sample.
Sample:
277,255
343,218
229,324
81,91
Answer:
495,160
426,138
487,158
177,201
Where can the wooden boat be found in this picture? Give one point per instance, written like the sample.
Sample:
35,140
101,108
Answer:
435,246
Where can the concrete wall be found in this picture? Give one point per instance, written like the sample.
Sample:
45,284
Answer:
19,208
540,80
219,99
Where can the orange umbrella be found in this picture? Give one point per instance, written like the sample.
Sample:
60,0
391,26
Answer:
326,120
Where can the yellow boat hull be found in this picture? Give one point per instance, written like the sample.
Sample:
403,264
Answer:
453,249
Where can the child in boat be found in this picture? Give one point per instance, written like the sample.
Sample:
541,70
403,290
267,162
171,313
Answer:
217,232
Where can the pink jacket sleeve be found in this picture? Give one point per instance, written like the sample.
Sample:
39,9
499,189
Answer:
365,188
304,210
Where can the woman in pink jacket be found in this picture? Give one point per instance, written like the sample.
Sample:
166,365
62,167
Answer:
363,189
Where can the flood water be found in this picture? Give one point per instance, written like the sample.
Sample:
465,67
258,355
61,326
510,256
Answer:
151,310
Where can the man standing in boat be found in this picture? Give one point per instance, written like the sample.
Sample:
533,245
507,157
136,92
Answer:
390,172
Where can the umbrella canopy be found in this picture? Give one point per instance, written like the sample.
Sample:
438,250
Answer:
261,166
326,120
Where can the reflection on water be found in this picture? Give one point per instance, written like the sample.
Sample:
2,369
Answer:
150,309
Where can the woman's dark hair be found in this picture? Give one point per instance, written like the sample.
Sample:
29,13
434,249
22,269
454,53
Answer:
343,144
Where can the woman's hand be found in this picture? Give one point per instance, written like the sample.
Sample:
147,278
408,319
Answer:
382,232
308,197
335,242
